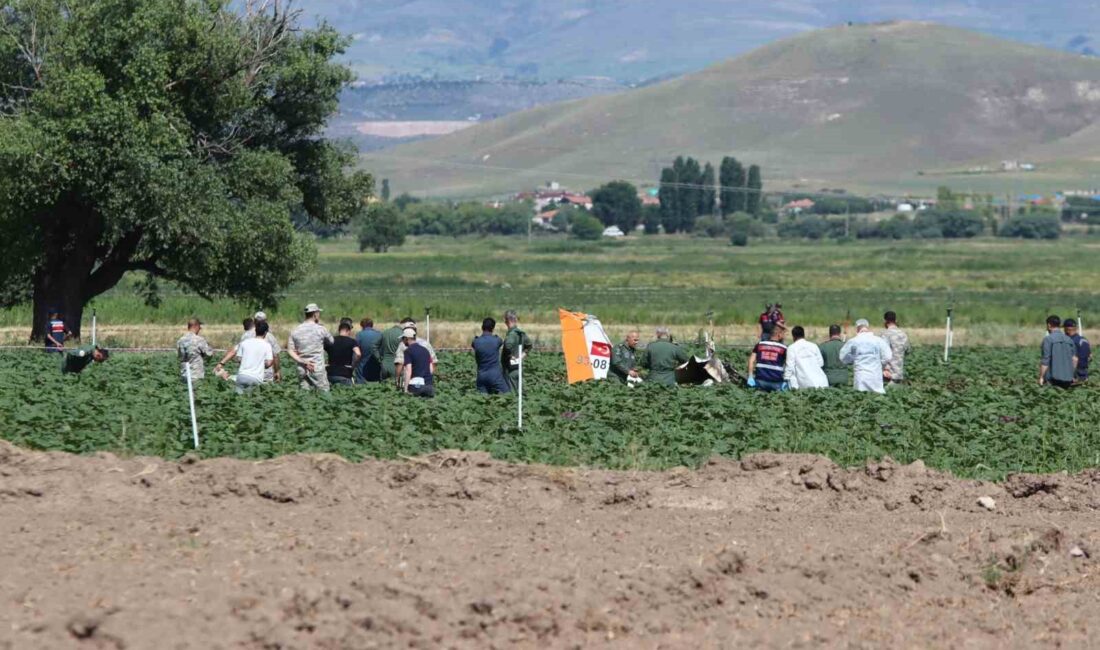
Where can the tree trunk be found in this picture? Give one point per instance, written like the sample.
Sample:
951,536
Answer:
58,292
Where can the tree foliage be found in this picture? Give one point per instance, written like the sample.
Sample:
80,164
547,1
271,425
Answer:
381,227
468,218
1032,226
617,204
171,137
584,226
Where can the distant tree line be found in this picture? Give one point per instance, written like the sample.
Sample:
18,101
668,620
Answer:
385,224
926,224
1081,209
688,191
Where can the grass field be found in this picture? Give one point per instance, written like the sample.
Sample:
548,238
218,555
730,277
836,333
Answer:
999,287
980,416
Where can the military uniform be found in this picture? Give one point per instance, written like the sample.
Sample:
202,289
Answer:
661,359
308,341
623,359
516,342
834,368
898,341
193,350
391,339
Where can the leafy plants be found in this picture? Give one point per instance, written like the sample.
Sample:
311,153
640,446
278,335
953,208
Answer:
980,416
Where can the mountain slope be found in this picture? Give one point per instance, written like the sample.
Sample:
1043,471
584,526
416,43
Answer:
632,40
863,105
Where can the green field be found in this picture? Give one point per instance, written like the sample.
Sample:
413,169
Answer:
980,416
662,279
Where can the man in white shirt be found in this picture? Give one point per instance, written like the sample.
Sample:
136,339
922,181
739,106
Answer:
256,357
804,363
868,354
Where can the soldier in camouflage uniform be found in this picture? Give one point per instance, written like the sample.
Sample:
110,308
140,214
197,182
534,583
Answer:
193,350
307,347
516,343
898,341
625,357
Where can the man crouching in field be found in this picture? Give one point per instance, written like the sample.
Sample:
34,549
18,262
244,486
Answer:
77,360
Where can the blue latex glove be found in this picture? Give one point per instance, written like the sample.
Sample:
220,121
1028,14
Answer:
786,386
752,382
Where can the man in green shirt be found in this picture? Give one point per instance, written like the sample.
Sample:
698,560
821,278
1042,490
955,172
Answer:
835,370
391,338
624,359
516,344
662,357
77,360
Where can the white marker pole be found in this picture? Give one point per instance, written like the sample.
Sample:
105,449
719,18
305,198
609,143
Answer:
519,386
1080,325
191,402
947,337
93,327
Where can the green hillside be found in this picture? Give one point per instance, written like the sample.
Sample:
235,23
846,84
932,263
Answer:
860,107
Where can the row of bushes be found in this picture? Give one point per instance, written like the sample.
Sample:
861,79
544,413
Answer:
930,224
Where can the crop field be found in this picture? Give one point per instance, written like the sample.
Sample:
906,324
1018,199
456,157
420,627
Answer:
651,280
979,416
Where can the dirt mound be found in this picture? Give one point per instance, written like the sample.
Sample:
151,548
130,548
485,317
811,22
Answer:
458,550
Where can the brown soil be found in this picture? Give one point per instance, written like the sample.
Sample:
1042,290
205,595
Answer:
458,550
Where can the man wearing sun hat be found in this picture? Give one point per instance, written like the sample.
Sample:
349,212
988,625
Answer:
307,347
868,355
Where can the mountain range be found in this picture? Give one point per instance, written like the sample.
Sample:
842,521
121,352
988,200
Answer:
635,40
876,106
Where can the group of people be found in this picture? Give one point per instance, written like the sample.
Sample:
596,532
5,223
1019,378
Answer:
875,361
867,361
1065,354
321,359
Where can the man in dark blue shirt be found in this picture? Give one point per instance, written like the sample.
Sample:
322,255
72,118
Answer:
490,377
370,346
1084,350
417,366
55,333
768,360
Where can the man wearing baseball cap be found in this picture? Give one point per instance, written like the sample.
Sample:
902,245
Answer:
868,355
417,366
271,373
307,347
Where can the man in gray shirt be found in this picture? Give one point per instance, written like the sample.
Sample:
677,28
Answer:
307,347
1059,356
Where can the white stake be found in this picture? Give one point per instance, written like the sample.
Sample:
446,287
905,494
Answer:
519,386
191,402
1080,325
947,337
93,327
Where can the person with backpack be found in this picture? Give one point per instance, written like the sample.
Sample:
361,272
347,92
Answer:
1058,362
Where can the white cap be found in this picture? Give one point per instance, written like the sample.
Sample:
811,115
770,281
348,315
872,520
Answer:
260,316
409,333
863,322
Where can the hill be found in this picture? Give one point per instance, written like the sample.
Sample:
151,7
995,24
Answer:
859,106
635,40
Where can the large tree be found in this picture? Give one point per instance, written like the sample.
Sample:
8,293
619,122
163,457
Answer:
666,194
708,193
171,137
755,195
731,178
617,204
